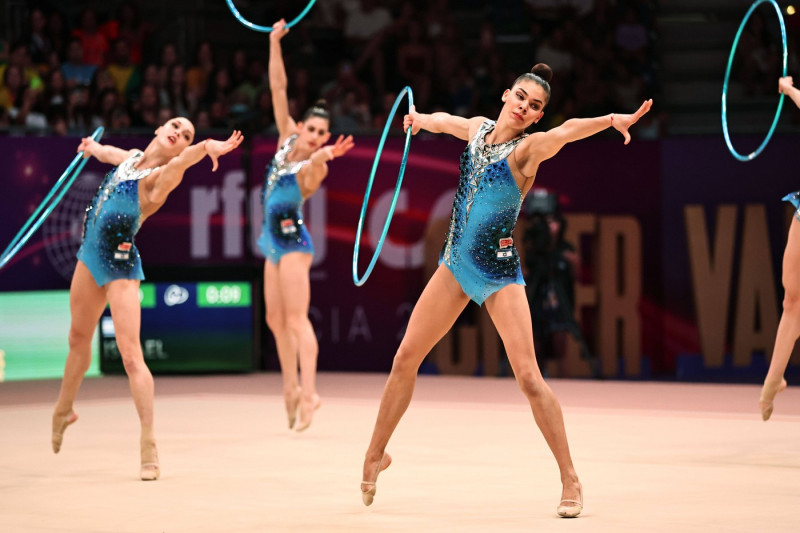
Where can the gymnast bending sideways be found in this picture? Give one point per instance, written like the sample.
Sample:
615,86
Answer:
479,262
109,268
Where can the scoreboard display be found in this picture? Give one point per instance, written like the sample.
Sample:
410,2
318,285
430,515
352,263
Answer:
189,327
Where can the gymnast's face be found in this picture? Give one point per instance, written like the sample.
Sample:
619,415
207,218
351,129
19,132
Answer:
313,133
523,104
175,135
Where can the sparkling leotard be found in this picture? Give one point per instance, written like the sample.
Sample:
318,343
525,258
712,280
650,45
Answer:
479,249
283,230
794,198
110,224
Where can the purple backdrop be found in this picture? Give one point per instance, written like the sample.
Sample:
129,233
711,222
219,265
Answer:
213,219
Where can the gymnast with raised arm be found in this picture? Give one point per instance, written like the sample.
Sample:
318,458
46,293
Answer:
479,262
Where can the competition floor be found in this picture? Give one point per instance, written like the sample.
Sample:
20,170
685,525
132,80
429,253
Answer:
653,457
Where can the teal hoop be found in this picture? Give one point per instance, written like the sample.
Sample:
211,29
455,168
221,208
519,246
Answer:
47,206
266,29
758,150
360,281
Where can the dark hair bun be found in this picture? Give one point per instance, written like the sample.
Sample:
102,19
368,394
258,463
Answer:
321,103
543,71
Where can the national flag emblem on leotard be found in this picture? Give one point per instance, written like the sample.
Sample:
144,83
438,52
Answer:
502,252
287,226
123,251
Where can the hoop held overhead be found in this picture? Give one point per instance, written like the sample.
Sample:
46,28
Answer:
266,29
360,281
758,150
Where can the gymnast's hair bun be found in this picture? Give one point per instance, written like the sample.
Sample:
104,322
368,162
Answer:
543,71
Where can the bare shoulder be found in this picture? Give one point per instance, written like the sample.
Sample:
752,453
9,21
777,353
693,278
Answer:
474,125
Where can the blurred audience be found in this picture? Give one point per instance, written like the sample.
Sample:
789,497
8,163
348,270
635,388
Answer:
113,69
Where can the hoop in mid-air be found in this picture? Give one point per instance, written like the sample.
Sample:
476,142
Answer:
360,281
758,150
48,204
266,29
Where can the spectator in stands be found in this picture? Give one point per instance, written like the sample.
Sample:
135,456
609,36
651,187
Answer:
75,70
415,63
169,58
129,28
174,95
127,76
145,109
363,31
198,77
39,45
20,57
57,32
95,44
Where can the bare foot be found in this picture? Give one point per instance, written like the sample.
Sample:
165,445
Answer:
768,393
371,470
571,503
60,423
149,470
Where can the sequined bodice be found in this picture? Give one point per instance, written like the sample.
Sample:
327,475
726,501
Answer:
282,171
117,200
487,200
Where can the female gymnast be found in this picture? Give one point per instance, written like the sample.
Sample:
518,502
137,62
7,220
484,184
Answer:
109,268
479,261
296,172
789,326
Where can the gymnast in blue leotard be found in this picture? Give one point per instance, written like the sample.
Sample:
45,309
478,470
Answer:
295,173
283,230
479,249
111,222
109,268
789,325
479,262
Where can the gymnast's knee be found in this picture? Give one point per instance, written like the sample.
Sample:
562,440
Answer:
531,384
406,362
276,322
791,299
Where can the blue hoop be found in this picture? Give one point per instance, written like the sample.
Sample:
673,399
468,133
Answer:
266,29
359,282
45,208
758,150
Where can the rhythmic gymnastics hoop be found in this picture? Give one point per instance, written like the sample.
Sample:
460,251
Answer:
758,150
360,281
45,208
266,29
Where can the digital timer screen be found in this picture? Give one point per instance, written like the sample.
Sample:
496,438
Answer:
189,327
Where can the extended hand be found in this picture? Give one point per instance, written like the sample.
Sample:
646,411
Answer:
622,123
784,84
216,149
87,146
279,29
341,146
412,119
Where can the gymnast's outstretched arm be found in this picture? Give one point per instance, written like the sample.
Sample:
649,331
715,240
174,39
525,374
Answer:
441,123
105,153
544,145
172,173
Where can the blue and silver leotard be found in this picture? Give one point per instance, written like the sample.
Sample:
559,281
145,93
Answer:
283,230
794,199
110,224
479,249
